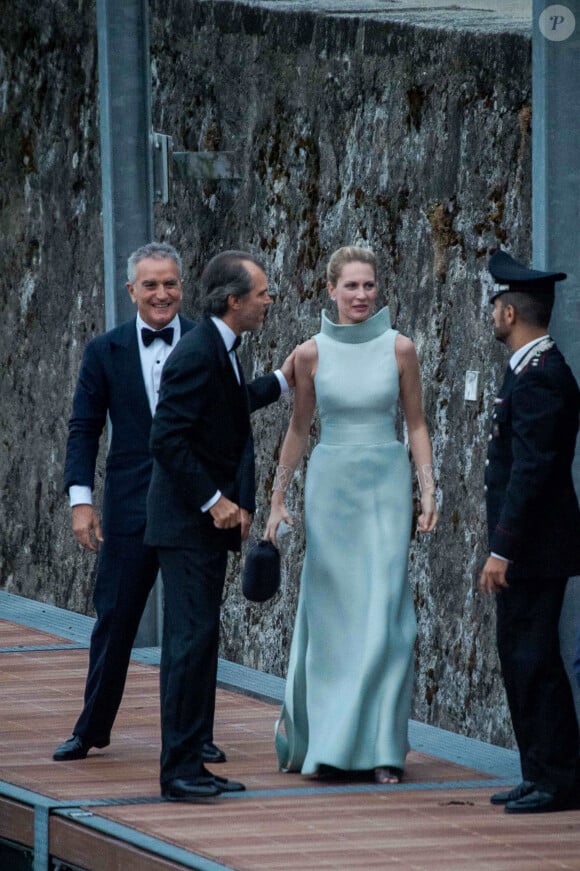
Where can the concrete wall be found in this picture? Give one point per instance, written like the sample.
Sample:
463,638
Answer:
414,141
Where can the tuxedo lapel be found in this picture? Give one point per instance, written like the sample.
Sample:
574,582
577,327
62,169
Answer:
235,392
128,373
241,372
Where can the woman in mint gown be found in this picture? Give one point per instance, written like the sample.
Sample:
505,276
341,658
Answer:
350,676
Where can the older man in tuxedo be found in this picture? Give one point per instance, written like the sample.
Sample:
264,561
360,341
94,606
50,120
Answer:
200,505
534,535
119,378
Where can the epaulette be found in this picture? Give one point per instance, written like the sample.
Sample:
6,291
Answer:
532,358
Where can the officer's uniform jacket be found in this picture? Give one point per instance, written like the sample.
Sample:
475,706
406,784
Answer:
532,509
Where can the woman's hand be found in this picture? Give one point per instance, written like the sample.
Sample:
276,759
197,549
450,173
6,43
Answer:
278,513
428,517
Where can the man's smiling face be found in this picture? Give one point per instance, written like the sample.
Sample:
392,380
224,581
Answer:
157,290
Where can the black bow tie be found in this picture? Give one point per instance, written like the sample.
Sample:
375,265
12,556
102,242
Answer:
237,343
149,336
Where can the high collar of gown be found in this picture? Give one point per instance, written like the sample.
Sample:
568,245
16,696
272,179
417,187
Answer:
353,334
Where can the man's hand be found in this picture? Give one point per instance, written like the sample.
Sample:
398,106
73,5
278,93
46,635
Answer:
246,519
86,527
492,578
226,514
287,369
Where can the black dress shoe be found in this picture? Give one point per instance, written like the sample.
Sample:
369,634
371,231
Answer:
536,802
519,791
226,785
211,753
192,789
74,747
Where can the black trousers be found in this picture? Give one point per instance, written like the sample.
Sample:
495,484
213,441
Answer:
538,691
193,581
126,572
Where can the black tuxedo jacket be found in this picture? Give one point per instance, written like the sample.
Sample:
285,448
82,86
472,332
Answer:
201,442
532,509
111,382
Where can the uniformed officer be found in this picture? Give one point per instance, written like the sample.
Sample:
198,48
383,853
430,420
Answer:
534,534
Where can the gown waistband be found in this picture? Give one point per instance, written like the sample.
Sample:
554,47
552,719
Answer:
357,433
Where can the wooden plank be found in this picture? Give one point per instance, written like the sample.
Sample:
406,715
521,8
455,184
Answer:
415,830
72,843
16,635
16,821
285,822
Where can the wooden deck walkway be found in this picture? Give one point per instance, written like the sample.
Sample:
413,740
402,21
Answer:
104,813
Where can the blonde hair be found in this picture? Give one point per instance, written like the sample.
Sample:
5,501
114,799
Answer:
348,254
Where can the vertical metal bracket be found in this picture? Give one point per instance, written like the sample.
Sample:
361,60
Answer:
162,151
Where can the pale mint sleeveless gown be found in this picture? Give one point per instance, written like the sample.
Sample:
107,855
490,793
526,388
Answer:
349,686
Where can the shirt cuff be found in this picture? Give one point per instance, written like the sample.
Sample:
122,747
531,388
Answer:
282,380
211,502
79,494
502,558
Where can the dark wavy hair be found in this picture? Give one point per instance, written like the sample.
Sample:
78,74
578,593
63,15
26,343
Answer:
225,275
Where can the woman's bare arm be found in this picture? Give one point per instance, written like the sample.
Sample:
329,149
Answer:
296,437
419,441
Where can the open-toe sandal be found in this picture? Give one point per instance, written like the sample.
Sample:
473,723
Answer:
388,774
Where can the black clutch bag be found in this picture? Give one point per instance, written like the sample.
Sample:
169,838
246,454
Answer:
261,578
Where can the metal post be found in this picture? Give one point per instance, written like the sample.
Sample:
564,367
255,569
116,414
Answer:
127,173
556,200
126,162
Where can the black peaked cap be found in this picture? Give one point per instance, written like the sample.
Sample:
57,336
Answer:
517,277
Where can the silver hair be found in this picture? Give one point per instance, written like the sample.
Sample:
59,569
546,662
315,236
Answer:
156,250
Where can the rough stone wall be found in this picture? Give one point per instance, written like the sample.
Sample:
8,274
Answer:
412,141
50,283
